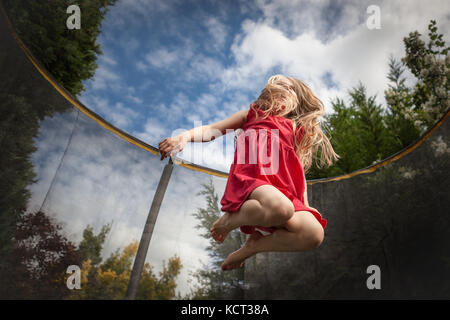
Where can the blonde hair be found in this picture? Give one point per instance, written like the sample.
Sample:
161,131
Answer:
291,98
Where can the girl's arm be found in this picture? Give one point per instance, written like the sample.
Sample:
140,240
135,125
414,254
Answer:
202,134
305,195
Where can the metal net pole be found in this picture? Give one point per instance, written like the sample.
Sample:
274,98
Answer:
148,231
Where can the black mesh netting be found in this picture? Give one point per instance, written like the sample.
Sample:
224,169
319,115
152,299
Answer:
93,190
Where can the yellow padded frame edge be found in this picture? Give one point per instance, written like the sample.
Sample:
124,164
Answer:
390,159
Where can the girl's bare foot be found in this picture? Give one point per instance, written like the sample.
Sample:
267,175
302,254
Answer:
236,258
221,228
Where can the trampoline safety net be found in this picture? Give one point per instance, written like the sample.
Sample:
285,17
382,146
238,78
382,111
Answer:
93,191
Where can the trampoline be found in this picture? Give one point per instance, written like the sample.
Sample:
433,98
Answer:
91,175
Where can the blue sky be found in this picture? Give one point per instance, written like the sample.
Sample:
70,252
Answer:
169,65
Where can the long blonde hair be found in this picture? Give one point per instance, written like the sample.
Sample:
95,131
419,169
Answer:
291,98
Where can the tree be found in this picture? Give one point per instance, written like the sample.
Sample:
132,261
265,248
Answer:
150,287
17,130
70,55
36,266
402,129
358,134
429,99
370,124
110,279
91,246
24,101
342,124
211,281
365,132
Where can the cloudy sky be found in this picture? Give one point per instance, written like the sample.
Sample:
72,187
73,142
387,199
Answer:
88,176
169,65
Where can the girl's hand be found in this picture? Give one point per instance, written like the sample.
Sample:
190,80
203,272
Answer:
171,146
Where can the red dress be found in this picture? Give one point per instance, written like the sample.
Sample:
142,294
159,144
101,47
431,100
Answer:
256,163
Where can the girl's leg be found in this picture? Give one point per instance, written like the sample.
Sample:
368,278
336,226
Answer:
266,206
300,233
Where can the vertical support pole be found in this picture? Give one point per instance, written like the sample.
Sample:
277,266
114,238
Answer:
148,231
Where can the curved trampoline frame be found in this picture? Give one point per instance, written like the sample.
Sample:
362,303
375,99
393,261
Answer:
181,162
164,180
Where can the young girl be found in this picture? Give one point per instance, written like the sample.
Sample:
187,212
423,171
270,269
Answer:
285,116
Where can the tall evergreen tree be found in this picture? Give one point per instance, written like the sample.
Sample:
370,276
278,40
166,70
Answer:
358,134
371,131
24,101
212,282
401,127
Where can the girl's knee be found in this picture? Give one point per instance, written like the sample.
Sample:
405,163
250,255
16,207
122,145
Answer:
309,241
310,231
276,204
283,210
316,238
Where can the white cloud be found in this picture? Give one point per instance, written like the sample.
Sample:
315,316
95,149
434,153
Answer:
123,117
141,66
126,14
204,68
108,59
165,59
103,179
117,113
135,99
356,54
154,131
323,18
305,39
104,77
161,58
218,32
204,104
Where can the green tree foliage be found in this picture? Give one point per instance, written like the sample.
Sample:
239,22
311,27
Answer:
210,281
358,133
70,55
91,245
16,132
429,62
402,129
343,124
36,267
24,100
109,279
364,132
372,128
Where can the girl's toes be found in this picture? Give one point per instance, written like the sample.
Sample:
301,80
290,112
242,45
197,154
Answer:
232,266
216,236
